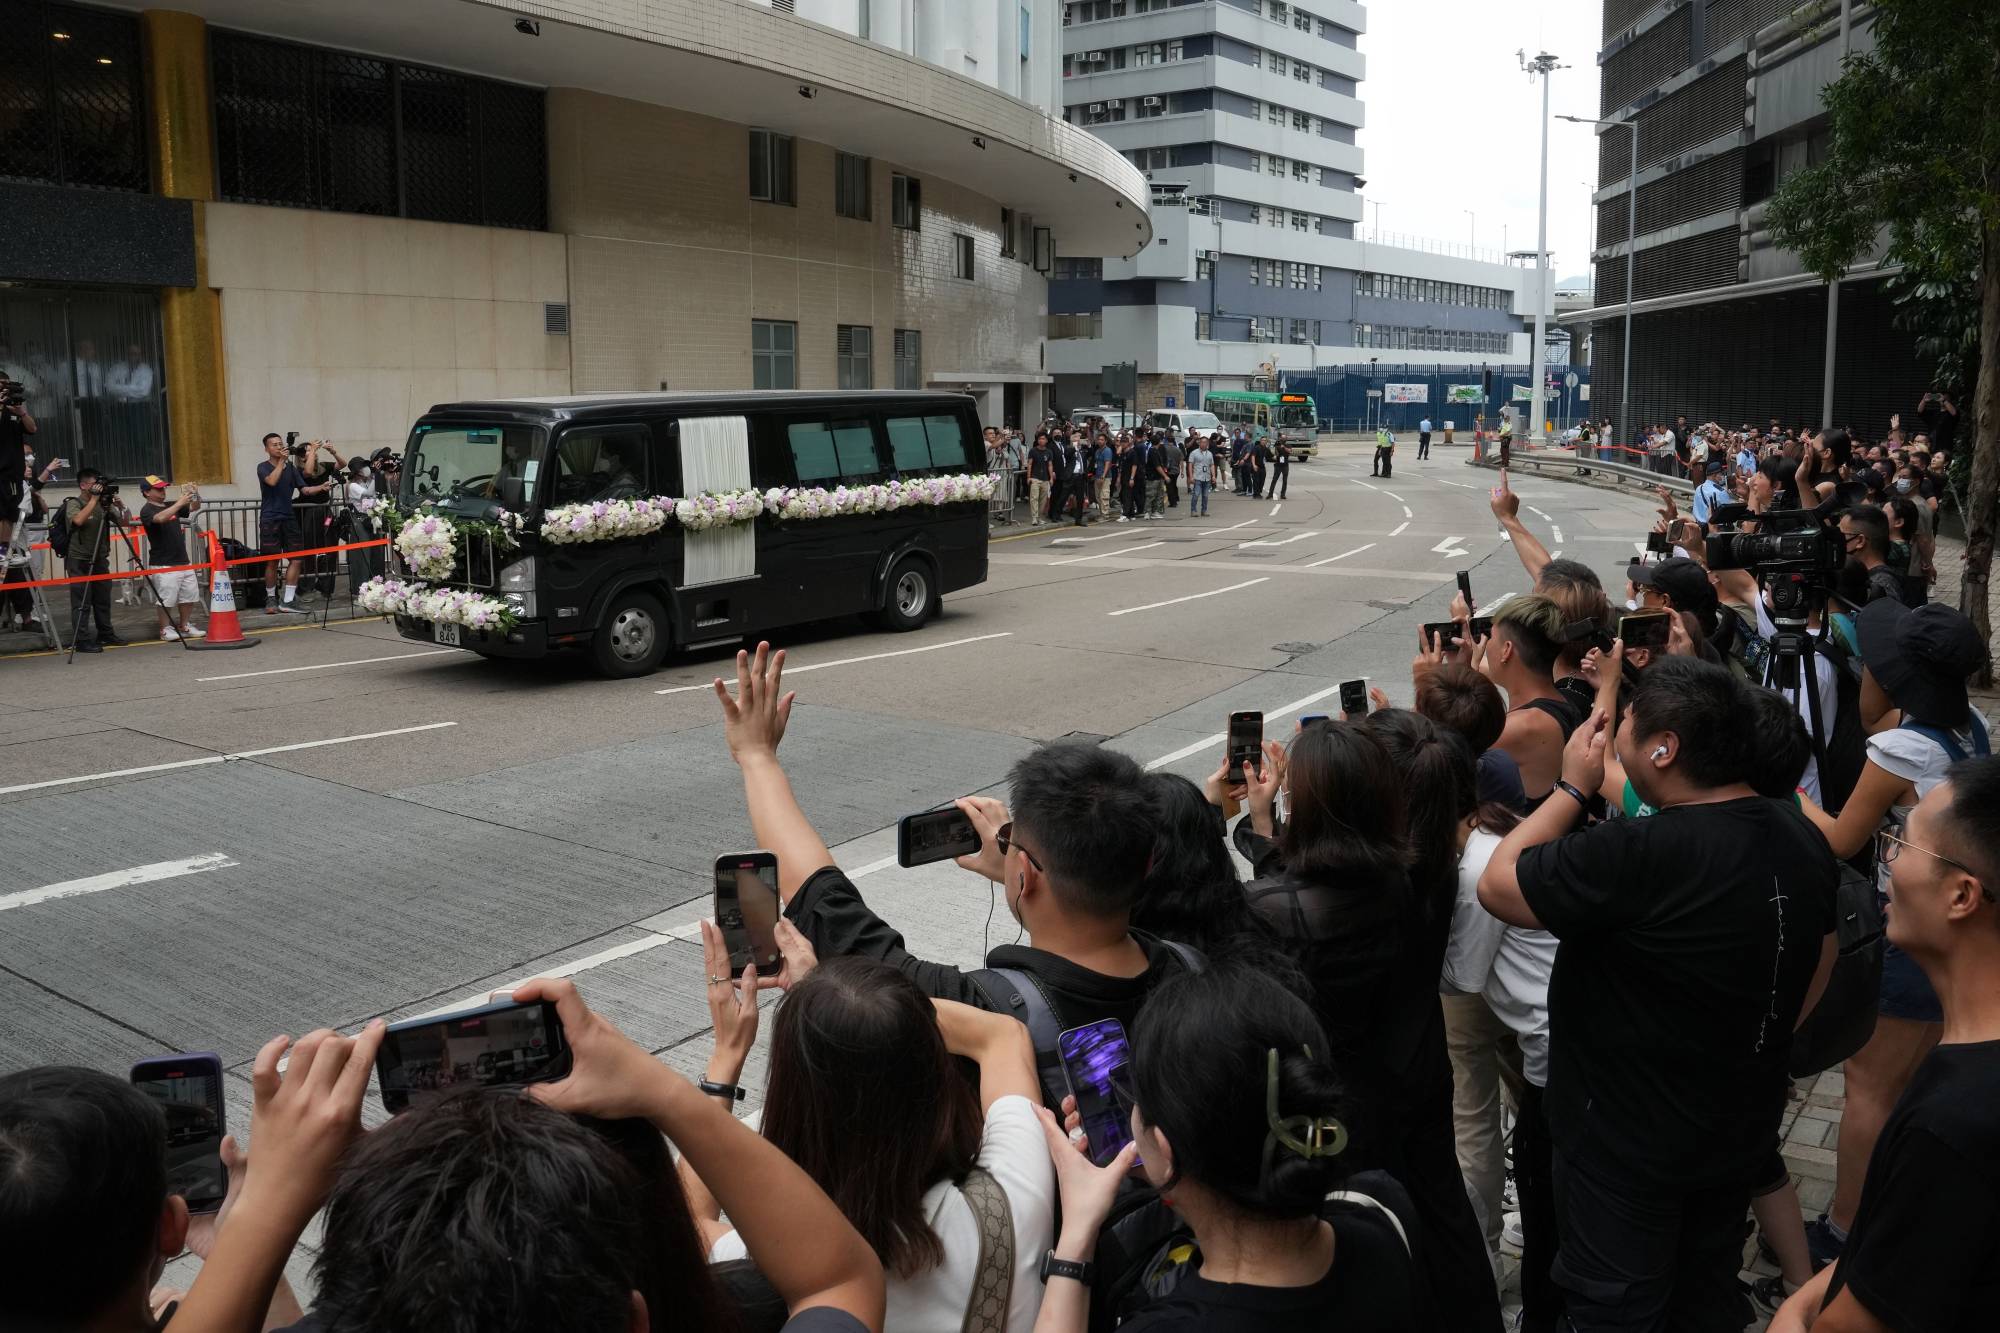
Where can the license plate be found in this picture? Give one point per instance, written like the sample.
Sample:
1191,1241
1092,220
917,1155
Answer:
443,633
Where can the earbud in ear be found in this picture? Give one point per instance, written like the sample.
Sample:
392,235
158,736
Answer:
1660,752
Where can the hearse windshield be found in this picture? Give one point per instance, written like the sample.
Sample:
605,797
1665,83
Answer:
465,469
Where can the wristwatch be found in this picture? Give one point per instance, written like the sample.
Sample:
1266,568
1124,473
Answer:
729,1092
1070,1268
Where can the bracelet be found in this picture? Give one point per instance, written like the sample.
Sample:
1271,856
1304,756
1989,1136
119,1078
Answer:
727,1091
1565,785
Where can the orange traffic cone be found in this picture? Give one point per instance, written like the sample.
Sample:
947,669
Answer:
224,631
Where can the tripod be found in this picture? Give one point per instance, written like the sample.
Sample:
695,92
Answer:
1795,646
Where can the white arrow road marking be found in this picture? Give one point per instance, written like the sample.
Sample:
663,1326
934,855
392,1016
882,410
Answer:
1450,546
1407,513
1282,541
1558,533
1275,508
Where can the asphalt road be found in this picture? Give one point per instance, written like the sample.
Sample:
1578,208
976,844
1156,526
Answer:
420,826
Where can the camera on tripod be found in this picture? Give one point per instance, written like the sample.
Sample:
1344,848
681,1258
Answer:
1792,541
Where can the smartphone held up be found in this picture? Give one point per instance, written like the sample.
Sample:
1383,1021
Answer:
511,1042
188,1088
935,835
1246,743
1094,1063
746,910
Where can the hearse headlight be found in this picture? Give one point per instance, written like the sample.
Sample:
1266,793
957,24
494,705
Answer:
517,587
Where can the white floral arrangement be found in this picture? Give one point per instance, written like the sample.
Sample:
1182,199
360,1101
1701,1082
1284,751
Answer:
607,520
450,606
428,543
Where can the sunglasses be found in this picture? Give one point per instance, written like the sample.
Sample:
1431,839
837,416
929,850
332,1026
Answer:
1003,838
1889,844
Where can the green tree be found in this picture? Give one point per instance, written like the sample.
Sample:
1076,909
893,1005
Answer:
1914,164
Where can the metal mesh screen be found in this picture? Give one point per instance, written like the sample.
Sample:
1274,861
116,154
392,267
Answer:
1699,113
1731,19
1687,265
71,97
1774,365
328,129
1709,186
1654,57
1620,14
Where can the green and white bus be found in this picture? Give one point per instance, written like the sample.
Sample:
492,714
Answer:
1289,418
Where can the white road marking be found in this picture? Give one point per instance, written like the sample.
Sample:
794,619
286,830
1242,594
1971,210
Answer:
1399,528
326,666
1538,514
1342,556
850,661
1359,482
1275,508
1393,496
1192,597
1282,541
1220,736
117,879
1558,533
1217,532
1102,536
218,758
1506,536
1407,513
1123,550
1556,554
1450,546
1463,486
1640,547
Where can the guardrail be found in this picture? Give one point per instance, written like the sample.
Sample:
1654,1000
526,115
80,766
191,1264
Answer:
1562,464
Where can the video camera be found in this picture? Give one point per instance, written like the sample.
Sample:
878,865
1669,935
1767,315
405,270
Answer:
1795,558
13,393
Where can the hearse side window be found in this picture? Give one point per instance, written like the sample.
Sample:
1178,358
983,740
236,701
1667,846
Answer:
606,464
929,444
837,451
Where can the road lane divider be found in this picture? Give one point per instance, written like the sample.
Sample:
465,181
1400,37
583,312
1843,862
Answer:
1191,597
328,666
218,758
1342,556
117,879
1101,555
801,669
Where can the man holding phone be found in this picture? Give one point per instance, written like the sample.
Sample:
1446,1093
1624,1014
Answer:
1069,861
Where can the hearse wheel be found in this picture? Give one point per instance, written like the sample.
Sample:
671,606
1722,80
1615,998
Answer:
632,637
909,598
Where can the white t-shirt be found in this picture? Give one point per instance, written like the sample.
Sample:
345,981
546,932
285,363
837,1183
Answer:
1507,965
1829,698
1917,758
1014,1153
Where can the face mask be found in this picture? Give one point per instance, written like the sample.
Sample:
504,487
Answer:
362,475
1631,604
1903,485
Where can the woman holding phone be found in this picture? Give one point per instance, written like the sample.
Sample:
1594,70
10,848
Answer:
1236,1118
863,1094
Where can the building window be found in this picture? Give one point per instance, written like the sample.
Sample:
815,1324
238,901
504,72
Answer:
1079,269
1298,331
1256,214
1274,113
1301,171
1275,216
1302,21
91,365
771,167
855,348
1204,264
1007,233
850,186
1302,71
1296,274
961,255
774,354
909,351
1203,329
906,208
1274,165
1278,12
73,95
314,128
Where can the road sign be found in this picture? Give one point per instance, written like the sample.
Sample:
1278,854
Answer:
1570,379
1170,400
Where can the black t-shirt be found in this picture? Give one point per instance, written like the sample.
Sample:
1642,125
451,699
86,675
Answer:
1688,941
829,912
13,461
1372,1284
166,541
1924,1251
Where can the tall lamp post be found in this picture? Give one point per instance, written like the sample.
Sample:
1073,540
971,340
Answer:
1631,222
1540,67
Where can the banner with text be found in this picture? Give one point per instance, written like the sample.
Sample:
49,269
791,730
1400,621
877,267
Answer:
1406,393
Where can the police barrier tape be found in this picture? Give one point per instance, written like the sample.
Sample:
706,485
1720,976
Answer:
205,564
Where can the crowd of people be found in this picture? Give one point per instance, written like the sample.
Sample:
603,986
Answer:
1070,473
1566,928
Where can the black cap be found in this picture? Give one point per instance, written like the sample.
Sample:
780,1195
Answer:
1684,582
1921,657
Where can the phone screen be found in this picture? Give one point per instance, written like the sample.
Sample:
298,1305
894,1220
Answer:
746,909
1465,587
1246,742
1656,543
1442,634
1354,697
1094,1058
1645,629
189,1090
1480,627
936,835
501,1043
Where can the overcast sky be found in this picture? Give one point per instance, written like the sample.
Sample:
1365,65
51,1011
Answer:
1453,123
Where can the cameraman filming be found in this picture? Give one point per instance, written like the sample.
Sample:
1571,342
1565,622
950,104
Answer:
86,514
16,424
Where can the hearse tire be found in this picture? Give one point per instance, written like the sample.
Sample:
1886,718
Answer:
632,637
909,598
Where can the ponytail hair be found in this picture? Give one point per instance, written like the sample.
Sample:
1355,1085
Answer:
1230,1066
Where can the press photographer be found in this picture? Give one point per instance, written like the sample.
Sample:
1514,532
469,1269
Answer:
166,546
87,519
282,478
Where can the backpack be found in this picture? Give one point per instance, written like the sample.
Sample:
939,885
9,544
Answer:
1843,1020
59,530
1140,1229
1948,743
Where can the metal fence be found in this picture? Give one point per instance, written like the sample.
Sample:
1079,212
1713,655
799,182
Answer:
1340,395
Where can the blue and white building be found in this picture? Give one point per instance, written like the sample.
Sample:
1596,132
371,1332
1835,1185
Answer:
1243,114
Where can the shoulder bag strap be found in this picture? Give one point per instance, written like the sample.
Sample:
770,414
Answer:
993,1280
1370,1201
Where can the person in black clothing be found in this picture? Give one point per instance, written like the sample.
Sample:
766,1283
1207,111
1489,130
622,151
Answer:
1334,886
1281,471
1132,471
1692,941
1069,861
1238,1115
1260,461
1924,1250
1865,530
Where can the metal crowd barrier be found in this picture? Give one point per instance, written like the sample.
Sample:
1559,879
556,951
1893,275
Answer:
1000,509
1562,463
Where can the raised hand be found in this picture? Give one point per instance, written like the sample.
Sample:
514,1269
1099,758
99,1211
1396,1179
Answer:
754,721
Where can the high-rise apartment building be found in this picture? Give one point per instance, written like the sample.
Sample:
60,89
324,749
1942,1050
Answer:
1243,114
1725,99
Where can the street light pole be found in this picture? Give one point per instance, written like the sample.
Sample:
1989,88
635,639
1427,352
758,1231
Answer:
1541,66
1631,248
1474,234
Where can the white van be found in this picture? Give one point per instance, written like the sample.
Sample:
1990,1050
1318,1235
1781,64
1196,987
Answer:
1178,422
